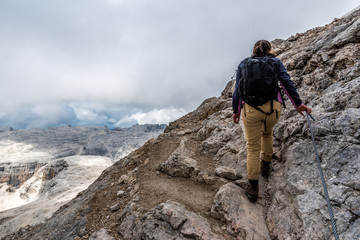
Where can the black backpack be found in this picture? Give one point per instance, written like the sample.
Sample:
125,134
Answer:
259,82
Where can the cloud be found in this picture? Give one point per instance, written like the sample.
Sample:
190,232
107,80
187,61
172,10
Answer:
122,116
38,116
82,113
142,55
155,116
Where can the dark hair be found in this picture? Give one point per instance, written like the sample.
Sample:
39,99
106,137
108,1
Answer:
263,48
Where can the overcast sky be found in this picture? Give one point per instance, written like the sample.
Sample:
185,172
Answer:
120,62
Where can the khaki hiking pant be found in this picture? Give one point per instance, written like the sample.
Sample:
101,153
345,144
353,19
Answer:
259,139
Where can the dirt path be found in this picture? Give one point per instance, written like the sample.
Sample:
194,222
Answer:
154,187
158,187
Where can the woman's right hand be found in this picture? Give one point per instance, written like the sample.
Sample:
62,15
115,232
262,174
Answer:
236,117
303,108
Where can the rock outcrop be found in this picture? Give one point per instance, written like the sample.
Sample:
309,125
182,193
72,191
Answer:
161,197
168,220
15,175
244,220
51,170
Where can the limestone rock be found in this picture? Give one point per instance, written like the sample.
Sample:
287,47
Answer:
54,168
226,172
180,164
243,219
189,224
229,89
353,231
282,219
115,207
180,133
349,35
101,235
120,193
16,174
168,220
205,177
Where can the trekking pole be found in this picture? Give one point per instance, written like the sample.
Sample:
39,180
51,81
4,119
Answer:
322,179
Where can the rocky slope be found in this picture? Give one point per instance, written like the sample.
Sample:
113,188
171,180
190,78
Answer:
188,183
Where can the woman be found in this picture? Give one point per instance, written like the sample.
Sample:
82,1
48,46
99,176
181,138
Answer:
258,125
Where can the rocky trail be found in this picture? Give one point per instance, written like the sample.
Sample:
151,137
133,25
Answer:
188,182
169,173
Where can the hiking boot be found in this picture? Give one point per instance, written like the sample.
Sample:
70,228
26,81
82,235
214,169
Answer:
265,169
252,190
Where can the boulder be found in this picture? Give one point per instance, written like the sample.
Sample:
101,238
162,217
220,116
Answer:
180,164
244,220
101,235
226,172
170,220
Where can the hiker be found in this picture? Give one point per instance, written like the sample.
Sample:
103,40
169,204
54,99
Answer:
258,95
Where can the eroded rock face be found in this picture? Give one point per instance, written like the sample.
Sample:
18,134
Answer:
226,172
169,220
181,164
244,220
16,175
52,169
328,81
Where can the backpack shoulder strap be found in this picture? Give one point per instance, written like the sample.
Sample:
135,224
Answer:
247,60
